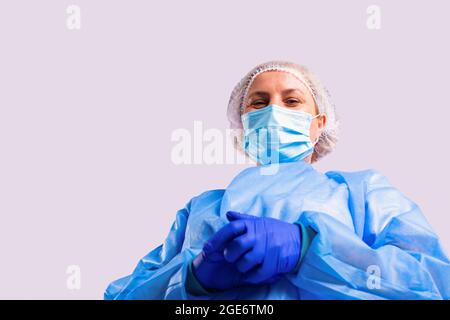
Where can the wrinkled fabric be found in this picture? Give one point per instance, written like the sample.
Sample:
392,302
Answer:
372,242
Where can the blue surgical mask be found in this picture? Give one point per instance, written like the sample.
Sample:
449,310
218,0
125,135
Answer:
275,134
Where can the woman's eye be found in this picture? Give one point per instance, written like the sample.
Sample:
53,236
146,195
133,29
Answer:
258,103
292,101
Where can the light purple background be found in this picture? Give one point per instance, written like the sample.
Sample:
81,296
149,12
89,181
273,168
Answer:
86,117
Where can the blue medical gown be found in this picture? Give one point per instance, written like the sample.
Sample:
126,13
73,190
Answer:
372,242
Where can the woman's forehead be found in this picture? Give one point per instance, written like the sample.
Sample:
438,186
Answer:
276,80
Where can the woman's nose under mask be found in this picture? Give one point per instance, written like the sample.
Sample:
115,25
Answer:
275,134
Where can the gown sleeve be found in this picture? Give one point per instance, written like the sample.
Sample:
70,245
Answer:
162,273
392,253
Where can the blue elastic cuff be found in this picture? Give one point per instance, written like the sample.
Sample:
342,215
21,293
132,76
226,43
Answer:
192,285
307,235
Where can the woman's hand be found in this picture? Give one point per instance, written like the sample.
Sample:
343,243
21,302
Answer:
248,251
212,271
261,248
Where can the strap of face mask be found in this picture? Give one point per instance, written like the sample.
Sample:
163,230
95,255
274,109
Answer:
317,140
316,116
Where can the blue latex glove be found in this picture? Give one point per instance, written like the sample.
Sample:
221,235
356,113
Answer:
211,269
261,248
215,273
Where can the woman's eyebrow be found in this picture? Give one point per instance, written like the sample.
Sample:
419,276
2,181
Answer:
258,93
287,91
284,92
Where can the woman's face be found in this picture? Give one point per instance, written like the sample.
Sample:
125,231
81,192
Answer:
285,90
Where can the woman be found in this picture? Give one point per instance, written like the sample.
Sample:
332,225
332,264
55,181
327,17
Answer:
282,230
